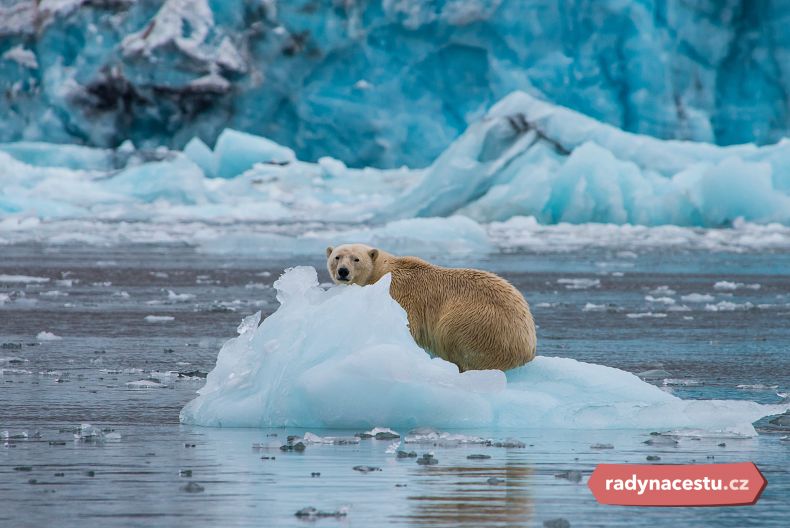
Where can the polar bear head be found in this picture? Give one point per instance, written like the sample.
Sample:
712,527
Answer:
351,263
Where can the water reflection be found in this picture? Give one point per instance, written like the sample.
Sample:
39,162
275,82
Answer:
464,496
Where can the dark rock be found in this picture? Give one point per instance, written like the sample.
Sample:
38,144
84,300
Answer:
59,474
366,469
427,460
193,374
653,458
406,454
494,480
298,446
23,468
509,444
313,513
557,523
602,446
478,457
315,474
11,346
90,473
193,487
572,475
185,473
32,481
722,444
189,445
386,435
268,458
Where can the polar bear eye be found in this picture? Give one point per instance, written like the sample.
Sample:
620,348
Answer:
356,260
337,258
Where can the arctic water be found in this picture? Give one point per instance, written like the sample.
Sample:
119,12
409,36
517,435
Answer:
120,337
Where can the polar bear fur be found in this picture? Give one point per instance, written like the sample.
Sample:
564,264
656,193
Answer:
472,318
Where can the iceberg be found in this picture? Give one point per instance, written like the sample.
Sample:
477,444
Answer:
304,367
385,83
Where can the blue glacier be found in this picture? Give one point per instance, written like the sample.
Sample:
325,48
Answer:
388,82
525,158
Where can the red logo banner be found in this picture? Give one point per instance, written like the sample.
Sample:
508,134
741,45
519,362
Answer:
677,485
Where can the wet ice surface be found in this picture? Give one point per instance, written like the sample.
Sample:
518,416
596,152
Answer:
128,378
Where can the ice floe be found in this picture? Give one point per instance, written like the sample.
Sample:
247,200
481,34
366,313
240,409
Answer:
303,367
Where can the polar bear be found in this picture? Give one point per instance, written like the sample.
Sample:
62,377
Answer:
472,318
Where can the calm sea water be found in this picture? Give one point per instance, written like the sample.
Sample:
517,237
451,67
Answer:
148,470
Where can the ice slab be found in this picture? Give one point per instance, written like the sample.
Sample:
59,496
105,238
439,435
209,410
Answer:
305,367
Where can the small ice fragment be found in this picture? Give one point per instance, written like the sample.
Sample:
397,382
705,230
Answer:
122,294
23,279
728,306
645,314
179,297
47,336
579,284
478,457
602,446
757,386
311,438
727,286
89,433
662,291
661,300
493,480
590,307
53,293
158,318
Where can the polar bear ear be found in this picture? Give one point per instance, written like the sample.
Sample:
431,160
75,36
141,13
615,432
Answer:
374,253
329,251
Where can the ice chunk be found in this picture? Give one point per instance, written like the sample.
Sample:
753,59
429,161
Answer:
302,368
23,279
179,297
697,297
579,284
158,318
732,286
47,336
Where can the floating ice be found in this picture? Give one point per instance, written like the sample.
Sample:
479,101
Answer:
47,336
158,318
579,284
303,367
732,286
697,297
24,279
179,297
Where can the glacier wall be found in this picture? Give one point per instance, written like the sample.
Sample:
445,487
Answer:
388,82
523,158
